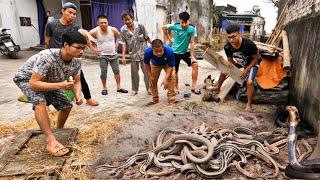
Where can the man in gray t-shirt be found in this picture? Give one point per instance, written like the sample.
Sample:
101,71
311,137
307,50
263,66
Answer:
43,79
54,30
53,33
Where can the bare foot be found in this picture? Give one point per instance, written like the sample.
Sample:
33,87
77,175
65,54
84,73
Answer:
57,149
176,92
133,93
249,108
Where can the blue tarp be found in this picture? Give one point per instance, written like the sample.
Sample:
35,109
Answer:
42,20
225,23
112,9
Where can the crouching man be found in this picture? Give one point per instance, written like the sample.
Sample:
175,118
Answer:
242,53
43,79
156,58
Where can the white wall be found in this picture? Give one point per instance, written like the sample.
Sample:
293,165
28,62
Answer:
161,16
11,10
146,14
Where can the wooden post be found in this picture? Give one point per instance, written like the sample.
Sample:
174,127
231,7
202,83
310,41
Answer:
286,51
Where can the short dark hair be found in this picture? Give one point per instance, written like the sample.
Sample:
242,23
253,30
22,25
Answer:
156,43
69,5
73,37
101,16
232,28
126,13
184,16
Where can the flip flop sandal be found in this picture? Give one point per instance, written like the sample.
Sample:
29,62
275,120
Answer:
122,91
104,92
196,91
58,149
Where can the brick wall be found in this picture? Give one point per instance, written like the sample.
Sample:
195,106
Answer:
299,9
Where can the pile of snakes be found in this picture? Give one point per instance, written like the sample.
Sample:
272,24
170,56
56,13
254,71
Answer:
211,152
208,152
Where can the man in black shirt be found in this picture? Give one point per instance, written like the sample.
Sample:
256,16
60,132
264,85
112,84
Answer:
242,53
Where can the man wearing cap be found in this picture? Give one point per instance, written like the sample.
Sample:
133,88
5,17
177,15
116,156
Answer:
53,35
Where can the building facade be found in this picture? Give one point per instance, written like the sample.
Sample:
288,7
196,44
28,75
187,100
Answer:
302,23
21,17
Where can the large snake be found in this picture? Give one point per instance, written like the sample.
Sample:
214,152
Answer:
296,169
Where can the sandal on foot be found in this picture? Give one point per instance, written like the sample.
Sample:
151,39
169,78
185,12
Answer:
122,91
58,151
196,91
104,92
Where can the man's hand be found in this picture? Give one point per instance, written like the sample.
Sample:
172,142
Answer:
79,101
165,84
231,65
96,51
66,85
123,60
244,74
92,40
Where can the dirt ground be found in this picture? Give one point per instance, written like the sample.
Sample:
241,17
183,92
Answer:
123,125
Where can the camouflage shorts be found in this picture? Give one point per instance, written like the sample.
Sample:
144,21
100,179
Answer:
57,98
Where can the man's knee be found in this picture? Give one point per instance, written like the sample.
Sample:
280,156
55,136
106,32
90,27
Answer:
103,76
194,65
116,71
67,109
250,83
40,104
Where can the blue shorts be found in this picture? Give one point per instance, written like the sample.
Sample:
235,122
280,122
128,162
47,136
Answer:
252,73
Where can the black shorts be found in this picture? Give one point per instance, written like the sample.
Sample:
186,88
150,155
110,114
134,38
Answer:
185,57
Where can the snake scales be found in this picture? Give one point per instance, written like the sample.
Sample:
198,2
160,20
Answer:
208,152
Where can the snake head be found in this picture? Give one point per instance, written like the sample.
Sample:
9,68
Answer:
293,114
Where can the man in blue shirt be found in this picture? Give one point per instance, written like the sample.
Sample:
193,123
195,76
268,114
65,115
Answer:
158,57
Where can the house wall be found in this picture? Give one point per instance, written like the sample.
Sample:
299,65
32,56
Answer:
10,11
152,16
160,21
303,29
200,15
